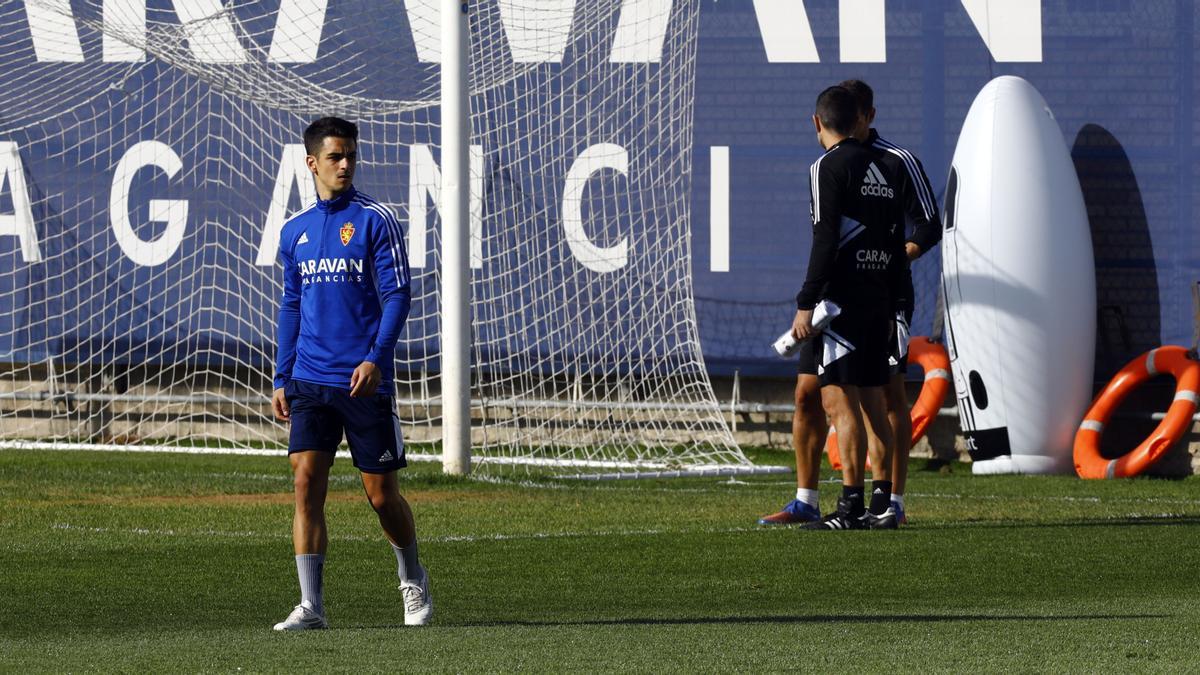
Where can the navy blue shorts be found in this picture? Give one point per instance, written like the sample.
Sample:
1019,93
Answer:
321,414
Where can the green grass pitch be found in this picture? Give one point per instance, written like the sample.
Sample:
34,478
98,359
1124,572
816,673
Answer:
171,562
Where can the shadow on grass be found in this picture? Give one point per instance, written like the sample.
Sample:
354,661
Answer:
793,619
1129,521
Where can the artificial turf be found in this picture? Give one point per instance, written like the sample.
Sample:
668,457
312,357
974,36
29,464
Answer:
172,562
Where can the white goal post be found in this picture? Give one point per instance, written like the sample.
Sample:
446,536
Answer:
150,152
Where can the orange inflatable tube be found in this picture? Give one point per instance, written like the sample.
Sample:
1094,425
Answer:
1171,360
934,360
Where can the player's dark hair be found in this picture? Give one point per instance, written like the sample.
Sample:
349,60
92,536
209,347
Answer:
316,132
838,109
862,93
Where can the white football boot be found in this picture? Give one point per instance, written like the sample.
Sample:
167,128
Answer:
302,618
418,605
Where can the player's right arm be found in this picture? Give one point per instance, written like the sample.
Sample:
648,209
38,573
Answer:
287,332
826,216
921,208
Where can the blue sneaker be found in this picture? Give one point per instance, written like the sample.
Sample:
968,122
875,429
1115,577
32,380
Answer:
901,519
796,511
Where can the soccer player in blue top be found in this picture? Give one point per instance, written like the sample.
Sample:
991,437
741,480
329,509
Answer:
345,299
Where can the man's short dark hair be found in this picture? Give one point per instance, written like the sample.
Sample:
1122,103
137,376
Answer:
316,132
838,110
862,93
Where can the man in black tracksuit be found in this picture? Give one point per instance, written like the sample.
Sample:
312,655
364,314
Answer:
857,261
921,211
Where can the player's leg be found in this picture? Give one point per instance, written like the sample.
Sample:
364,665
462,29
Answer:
882,357
396,519
898,412
901,424
874,405
373,431
313,438
842,404
809,429
310,483
310,538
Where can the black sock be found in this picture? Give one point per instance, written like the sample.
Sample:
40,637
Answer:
853,495
881,496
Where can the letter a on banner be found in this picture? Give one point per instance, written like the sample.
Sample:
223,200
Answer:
292,171
20,222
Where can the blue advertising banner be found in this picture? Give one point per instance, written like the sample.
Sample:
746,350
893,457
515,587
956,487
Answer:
138,179
1119,77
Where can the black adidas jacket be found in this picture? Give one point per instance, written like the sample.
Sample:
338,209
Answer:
917,200
857,257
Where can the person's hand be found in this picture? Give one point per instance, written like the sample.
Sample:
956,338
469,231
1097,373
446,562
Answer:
279,406
365,380
912,251
802,327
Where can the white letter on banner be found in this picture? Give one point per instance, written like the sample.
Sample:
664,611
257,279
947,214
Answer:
1012,29
537,31
787,35
293,171
592,160
173,212
641,31
52,26
210,33
424,22
124,30
298,31
862,32
425,183
718,209
20,224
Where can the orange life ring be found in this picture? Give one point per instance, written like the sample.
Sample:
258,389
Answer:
934,360
1167,360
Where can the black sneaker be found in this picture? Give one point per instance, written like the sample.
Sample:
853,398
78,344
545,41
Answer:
884,521
838,520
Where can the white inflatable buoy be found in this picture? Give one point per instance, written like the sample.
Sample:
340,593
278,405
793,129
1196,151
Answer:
1020,284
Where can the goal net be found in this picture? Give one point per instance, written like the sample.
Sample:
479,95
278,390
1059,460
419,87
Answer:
150,152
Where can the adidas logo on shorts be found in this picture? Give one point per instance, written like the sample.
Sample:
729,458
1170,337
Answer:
386,456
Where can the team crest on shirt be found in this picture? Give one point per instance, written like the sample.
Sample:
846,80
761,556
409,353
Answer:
347,232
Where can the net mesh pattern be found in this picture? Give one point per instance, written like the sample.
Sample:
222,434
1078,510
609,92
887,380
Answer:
585,349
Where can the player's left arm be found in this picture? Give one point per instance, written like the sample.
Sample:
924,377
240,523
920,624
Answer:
898,265
393,281
921,209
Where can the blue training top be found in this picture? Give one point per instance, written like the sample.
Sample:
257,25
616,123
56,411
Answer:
346,291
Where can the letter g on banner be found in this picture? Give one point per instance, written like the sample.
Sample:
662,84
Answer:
173,212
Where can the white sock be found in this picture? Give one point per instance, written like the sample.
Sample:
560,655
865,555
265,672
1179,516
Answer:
408,567
807,496
310,566
899,499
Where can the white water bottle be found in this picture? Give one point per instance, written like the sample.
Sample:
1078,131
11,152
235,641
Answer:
823,315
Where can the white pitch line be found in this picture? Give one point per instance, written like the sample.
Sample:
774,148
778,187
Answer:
445,539
1057,498
728,486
